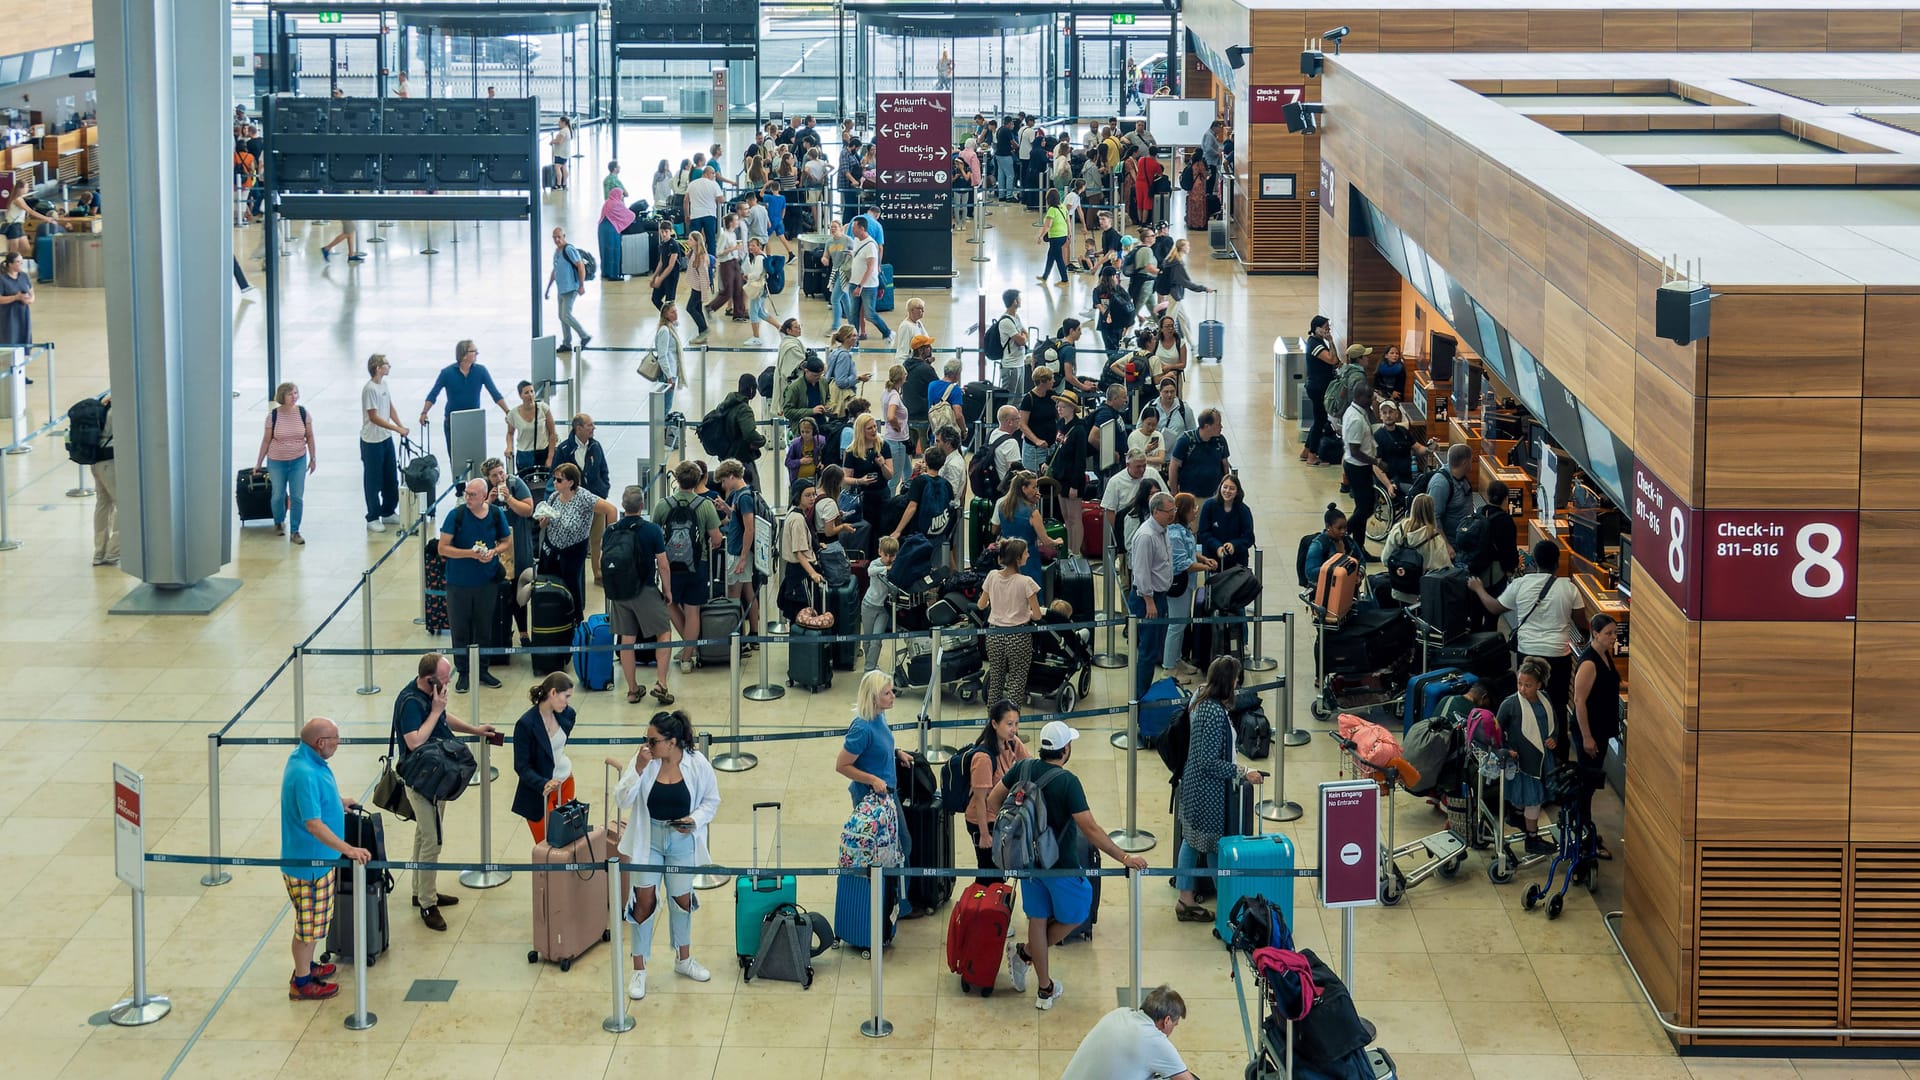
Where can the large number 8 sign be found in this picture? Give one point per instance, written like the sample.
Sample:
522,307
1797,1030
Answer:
1820,558
1676,546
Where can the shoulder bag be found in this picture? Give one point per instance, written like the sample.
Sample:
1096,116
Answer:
389,792
1513,639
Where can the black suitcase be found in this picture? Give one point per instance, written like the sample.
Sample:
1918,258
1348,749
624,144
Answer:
1084,932
1482,654
929,831
843,602
550,622
1367,640
502,635
957,662
1447,604
980,400
363,829
859,542
813,274
253,495
720,616
1071,580
809,660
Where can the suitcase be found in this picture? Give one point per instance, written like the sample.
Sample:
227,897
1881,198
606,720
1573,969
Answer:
844,602
1072,581
253,496
859,542
982,400
363,829
809,660
1084,932
502,635
550,622
1447,604
570,906
594,668
1243,853
636,253
979,527
1213,334
1338,586
548,179
43,256
434,573
720,616
977,935
929,830
1425,691
853,911
862,575
1370,639
884,301
813,274
755,897
1093,530
1484,653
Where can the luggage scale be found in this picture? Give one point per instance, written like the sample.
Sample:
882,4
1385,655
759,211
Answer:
1444,851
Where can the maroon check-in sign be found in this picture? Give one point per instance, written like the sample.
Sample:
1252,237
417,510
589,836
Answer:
1266,104
1778,565
1666,540
913,139
1349,843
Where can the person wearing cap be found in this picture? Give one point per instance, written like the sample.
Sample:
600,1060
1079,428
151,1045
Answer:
1055,906
1150,561
1069,466
806,395
920,376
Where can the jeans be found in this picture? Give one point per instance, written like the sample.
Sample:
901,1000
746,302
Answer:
710,226
902,465
842,303
757,309
426,847
1179,607
527,459
1056,254
569,325
1187,859
1153,639
289,490
106,512
696,307
1004,166
379,478
669,846
1034,458
470,618
863,312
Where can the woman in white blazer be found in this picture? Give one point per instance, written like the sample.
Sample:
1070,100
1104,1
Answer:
668,796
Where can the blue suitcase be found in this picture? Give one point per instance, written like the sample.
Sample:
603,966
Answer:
1161,703
1242,853
43,257
594,668
1425,692
884,302
853,911
755,897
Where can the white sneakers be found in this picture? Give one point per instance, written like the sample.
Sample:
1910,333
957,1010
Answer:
376,527
692,969
1017,968
1043,1002
390,519
755,342
637,986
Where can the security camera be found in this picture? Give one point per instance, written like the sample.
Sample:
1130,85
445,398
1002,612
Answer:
1334,35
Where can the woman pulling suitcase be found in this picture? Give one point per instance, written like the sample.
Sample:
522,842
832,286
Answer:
668,795
1208,781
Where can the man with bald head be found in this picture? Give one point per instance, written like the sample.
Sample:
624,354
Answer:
1004,443
472,539
313,814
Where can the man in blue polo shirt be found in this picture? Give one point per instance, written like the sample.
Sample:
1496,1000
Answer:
313,814
1200,459
463,380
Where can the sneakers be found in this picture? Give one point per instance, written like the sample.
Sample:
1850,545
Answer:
362,257
755,342
692,969
699,339
1017,965
1045,999
585,341
376,527
314,990
326,254
637,986
390,519
1539,845
321,971
486,677
298,539
431,916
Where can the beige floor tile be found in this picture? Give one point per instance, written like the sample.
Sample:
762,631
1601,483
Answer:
1581,977
360,1061
22,960
110,1061
472,1016
1486,978
760,1062
1729,1068
1433,1066
1475,931
211,1060
1609,1067
1611,1029
878,1063
1509,1028
1851,1068
678,1062
1523,1067
444,1061
561,1059
1413,1026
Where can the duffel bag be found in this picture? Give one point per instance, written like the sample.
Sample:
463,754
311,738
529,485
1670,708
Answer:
439,770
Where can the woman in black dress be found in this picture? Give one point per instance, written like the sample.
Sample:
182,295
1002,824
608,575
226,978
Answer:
1596,711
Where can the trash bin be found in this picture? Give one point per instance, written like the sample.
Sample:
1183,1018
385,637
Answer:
1289,375
13,394
79,260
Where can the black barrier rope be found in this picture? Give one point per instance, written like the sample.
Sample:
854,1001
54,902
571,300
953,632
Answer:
257,695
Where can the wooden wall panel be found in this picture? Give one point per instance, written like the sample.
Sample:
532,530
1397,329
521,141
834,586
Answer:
1666,650
43,24
1787,30
1889,590
1365,23
1766,785
1714,31
1566,255
1892,328
1883,806
1376,288
1564,31
1612,276
1566,341
1744,457
1639,31
1489,31
1762,347
1883,676
1749,682
1610,365
1668,429
1416,30
1889,457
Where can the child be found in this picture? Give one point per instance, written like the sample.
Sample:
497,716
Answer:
873,606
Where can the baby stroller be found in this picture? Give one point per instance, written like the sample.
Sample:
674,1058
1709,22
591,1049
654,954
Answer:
1577,860
1062,666
1363,658
963,656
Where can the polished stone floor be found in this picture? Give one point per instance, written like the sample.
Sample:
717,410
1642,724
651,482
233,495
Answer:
1460,980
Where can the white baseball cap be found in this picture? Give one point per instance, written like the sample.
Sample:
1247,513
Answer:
1056,735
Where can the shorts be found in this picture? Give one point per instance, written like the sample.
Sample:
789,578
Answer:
744,577
13,230
689,588
644,616
312,905
1067,900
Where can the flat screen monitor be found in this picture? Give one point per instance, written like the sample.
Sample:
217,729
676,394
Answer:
1625,567
1602,465
1439,294
1416,266
1547,495
1526,378
1440,352
1180,121
1493,348
1560,411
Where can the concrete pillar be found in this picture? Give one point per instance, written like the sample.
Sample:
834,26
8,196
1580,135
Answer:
164,107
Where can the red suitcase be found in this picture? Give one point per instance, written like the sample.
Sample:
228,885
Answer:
1093,528
977,935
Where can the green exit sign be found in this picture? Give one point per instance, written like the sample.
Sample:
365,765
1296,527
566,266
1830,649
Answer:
329,16
1121,19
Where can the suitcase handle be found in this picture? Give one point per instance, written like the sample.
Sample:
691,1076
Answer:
778,855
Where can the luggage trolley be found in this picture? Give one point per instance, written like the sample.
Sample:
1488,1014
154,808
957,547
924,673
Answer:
1445,851
1349,657
1489,824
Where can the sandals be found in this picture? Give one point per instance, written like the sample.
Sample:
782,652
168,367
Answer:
1194,913
635,696
660,694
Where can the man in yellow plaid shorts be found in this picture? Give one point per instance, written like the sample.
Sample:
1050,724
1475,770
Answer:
312,817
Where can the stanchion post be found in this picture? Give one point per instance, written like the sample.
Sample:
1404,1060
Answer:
772,621
487,877
736,760
618,1019
764,690
1126,740
360,1019
1131,839
876,1026
1111,657
7,542
140,1009
938,752
1290,735
299,688
366,688
214,875
1136,914
703,385
420,527
81,489
1255,660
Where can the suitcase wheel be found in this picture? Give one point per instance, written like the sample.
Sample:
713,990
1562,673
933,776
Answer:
566,965
606,935
533,956
807,983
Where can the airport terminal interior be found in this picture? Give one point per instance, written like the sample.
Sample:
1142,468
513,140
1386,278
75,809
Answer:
1512,220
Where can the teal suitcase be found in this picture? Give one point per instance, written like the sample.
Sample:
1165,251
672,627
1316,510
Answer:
1248,853
755,897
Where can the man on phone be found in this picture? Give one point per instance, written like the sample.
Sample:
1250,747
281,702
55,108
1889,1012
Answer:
420,713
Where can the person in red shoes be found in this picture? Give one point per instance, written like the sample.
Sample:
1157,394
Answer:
313,814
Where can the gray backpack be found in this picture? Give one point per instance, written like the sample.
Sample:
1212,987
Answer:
790,938
1023,838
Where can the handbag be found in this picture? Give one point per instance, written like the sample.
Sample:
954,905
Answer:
567,822
872,835
439,770
389,793
649,368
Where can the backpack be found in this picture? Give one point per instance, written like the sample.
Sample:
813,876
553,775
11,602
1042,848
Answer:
683,529
620,565
776,266
1233,590
1473,543
1483,729
984,474
1173,743
1023,838
994,347
1339,393
716,433
589,267
945,414
86,427
956,780
790,937
1186,177
1406,566
1256,924
1373,745
938,511
1289,975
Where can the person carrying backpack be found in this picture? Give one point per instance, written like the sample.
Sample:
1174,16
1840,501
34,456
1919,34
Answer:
634,570
692,528
932,506
1042,821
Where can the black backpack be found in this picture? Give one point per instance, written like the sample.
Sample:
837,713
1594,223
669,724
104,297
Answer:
716,433
956,780
86,427
994,347
1172,743
1473,543
620,564
1405,568
983,476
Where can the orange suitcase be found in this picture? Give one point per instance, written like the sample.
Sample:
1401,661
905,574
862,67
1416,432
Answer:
1338,586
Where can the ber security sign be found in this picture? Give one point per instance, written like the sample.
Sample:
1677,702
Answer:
913,136
1746,565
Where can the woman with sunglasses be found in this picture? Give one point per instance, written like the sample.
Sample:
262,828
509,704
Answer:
668,795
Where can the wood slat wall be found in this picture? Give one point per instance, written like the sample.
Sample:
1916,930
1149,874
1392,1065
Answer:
1772,936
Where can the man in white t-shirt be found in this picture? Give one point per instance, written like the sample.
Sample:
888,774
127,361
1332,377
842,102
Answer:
863,270
1005,442
379,467
1013,345
1133,1044
1121,492
1548,615
1359,463
703,205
